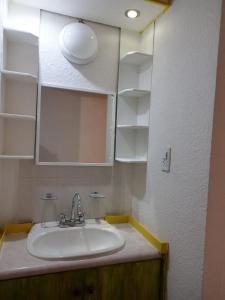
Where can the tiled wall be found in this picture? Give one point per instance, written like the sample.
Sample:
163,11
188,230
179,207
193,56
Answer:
23,184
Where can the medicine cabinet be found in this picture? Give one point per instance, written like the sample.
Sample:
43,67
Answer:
75,127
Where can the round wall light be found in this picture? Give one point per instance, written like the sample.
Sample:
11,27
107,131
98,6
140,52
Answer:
78,43
132,13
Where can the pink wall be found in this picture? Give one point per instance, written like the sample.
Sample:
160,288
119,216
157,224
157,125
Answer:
214,266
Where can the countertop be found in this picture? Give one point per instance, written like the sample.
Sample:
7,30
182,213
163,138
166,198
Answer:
15,261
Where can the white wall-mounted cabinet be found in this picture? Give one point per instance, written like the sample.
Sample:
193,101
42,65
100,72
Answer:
19,78
133,107
75,127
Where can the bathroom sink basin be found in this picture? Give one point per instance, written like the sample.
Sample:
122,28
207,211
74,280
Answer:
93,239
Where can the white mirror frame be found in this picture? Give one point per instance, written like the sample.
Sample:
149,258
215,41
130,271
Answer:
110,136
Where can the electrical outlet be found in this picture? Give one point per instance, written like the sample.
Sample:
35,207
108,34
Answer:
166,161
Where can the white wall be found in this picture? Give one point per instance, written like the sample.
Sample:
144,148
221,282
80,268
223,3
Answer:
101,74
174,205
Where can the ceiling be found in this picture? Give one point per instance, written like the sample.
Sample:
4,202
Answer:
109,12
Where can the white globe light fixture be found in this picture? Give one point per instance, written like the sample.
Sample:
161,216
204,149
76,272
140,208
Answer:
78,43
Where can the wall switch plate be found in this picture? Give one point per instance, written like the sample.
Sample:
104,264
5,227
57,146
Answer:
166,161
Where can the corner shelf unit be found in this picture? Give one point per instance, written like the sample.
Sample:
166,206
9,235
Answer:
17,157
131,160
19,78
17,117
136,58
133,93
132,126
133,108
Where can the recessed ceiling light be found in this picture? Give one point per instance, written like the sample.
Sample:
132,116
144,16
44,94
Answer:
132,13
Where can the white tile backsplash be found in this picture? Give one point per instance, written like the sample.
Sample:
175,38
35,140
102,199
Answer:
23,183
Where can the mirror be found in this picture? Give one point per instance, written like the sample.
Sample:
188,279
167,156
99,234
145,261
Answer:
75,127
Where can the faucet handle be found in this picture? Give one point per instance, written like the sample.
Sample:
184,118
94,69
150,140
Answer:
62,219
77,196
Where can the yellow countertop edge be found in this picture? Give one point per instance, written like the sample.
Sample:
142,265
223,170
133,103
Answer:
14,228
2,237
161,246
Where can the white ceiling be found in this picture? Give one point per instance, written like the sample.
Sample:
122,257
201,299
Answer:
109,12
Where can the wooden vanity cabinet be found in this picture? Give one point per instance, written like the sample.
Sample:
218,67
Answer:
128,281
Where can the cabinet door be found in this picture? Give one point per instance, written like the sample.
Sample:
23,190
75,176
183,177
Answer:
59,286
91,285
130,281
147,280
133,281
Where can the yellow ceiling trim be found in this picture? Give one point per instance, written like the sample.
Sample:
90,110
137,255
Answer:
163,3
166,7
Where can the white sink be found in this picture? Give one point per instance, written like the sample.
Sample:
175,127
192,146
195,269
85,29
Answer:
93,239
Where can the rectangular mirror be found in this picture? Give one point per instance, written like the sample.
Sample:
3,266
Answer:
75,127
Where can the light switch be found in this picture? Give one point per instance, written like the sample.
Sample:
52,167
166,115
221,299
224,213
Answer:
166,161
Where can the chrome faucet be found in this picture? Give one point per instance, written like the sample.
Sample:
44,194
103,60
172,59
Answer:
77,214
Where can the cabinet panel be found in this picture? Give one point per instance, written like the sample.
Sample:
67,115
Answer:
136,281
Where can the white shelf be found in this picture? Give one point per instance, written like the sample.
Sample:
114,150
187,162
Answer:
134,93
16,157
17,136
133,107
136,58
18,94
133,126
17,117
21,36
20,52
24,77
131,160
